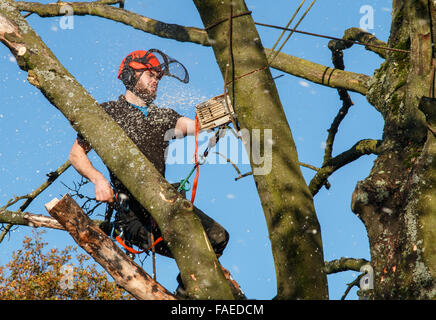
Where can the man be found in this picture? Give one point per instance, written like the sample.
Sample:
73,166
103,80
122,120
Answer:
147,126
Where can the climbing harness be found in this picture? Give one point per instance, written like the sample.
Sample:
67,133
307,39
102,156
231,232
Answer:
121,200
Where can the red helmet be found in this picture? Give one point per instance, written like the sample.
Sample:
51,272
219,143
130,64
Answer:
145,60
140,60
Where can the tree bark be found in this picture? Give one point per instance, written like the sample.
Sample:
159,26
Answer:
95,242
396,202
199,267
293,227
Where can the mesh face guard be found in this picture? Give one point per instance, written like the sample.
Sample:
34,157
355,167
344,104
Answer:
152,59
170,67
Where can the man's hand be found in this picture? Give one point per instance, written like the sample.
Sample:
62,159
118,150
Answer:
79,160
103,190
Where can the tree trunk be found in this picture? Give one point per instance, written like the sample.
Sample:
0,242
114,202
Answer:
199,267
293,227
397,201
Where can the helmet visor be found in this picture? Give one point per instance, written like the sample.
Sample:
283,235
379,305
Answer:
169,66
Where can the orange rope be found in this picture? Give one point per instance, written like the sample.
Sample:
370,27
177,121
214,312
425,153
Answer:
194,187
121,242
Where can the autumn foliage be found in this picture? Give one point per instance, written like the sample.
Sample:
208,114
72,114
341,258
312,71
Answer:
33,274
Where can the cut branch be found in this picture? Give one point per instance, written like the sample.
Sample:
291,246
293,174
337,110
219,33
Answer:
361,148
95,242
362,36
32,219
28,219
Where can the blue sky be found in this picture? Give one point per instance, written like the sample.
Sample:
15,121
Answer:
35,138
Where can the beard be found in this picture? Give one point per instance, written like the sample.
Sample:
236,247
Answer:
146,95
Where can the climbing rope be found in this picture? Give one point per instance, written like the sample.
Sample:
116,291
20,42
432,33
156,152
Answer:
292,32
199,160
287,26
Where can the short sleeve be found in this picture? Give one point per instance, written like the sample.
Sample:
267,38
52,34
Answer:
82,142
172,117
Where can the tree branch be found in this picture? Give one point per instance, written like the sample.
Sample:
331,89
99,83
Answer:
119,2
295,66
52,176
239,55
139,22
320,74
32,219
344,264
361,148
28,219
351,285
362,36
346,105
338,62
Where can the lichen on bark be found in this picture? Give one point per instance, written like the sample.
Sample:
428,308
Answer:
395,202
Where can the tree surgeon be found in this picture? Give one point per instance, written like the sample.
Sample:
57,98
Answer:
150,128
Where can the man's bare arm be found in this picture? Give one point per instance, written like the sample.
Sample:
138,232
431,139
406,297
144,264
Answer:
186,126
80,161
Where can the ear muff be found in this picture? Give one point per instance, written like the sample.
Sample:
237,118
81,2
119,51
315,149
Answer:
127,75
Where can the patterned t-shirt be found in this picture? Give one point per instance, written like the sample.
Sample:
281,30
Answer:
150,133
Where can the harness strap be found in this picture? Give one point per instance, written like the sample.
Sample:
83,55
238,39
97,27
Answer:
121,242
131,250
